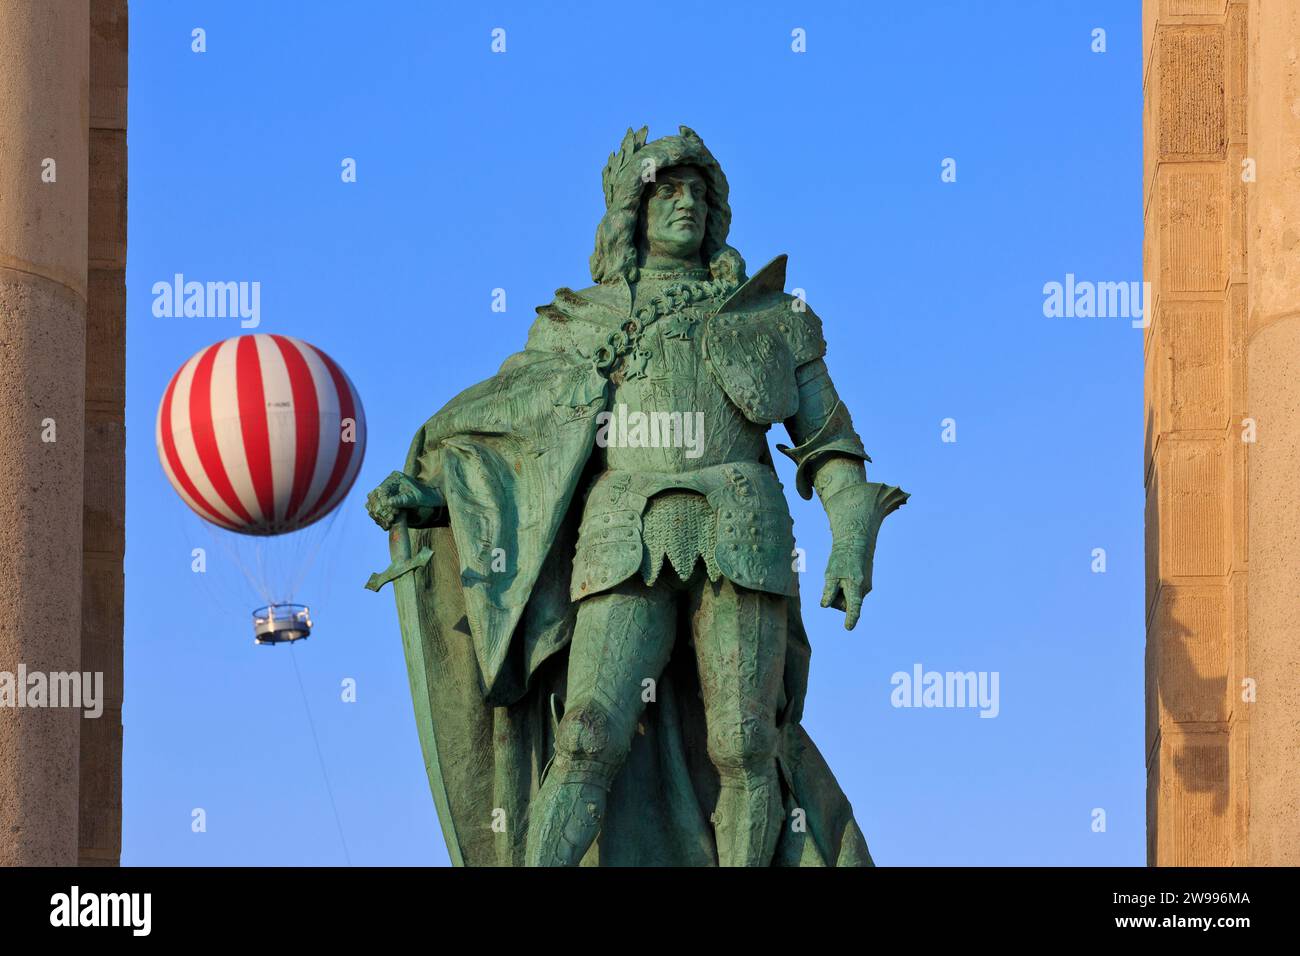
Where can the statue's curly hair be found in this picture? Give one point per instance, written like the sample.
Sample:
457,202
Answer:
616,253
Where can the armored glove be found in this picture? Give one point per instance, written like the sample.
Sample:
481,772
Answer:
855,515
400,492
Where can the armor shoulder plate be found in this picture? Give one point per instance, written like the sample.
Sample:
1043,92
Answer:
807,344
750,357
757,340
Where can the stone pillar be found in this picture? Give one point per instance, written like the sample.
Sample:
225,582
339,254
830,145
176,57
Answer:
1273,401
44,103
105,483
1196,259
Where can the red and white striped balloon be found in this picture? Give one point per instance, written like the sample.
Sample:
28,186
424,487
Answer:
253,434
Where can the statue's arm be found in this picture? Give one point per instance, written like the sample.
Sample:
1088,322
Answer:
827,452
830,459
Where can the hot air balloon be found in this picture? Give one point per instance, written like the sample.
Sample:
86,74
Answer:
263,436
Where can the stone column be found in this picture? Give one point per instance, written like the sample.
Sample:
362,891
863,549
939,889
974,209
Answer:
44,103
1273,400
105,483
1196,260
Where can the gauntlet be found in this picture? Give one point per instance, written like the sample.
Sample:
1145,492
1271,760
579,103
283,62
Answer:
400,493
855,514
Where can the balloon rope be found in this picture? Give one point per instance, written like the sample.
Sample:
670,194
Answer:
262,575
313,540
338,822
228,542
184,531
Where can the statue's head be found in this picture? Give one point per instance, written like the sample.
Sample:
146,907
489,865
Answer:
668,196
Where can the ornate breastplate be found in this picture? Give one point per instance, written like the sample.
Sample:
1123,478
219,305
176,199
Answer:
668,412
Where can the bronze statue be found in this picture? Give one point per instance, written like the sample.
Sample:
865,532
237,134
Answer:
594,560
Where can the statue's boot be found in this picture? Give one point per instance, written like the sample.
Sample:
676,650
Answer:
748,818
565,820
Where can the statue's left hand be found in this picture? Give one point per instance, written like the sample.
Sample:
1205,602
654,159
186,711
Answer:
848,579
848,572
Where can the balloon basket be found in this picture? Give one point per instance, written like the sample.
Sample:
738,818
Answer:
281,623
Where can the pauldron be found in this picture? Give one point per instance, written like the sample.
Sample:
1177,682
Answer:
755,350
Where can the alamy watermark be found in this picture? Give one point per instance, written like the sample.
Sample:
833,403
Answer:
948,689
623,429
1084,299
74,908
208,300
76,689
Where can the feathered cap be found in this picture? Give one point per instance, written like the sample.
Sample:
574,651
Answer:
625,177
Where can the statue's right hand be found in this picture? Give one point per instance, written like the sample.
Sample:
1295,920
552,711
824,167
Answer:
397,493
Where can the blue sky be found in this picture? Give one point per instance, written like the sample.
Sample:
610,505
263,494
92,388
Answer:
478,171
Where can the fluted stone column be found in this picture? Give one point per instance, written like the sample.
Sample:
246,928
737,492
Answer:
44,105
1273,390
1222,144
1195,138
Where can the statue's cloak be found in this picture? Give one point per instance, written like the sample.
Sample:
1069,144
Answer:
512,456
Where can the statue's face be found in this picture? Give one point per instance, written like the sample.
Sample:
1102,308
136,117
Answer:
675,210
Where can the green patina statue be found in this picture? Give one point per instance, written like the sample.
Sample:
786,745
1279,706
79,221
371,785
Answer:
594,564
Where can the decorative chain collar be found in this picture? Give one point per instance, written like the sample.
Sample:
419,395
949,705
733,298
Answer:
672,299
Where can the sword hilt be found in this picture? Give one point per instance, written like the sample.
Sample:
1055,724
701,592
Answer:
399,539
399,546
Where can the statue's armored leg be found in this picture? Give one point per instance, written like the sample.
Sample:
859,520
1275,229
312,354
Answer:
739,638
621,637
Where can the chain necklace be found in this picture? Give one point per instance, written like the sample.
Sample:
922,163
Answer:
697,273
672,299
